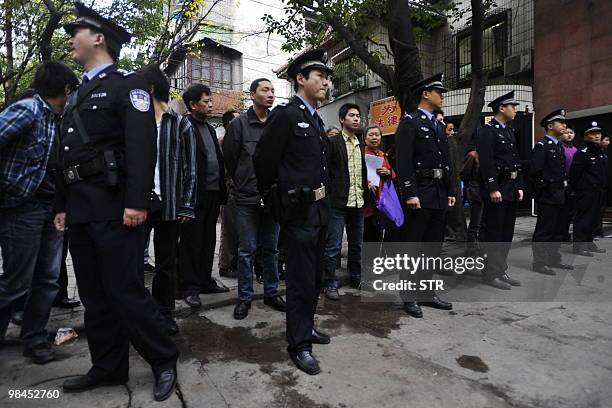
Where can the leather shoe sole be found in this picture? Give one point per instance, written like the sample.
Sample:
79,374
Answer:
563,266
584,253
498,284
544,270
319,338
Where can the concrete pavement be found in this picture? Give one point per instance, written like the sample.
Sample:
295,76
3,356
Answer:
486,354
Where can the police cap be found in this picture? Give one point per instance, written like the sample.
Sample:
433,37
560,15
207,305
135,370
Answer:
310,59
506,99
114,34
558,115
591,127
433,82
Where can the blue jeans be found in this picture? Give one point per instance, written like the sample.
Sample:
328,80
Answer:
31,258
339,218
256,228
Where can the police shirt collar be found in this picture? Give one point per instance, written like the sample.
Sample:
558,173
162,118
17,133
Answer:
427,113
497,122
91,74
554,139
310,108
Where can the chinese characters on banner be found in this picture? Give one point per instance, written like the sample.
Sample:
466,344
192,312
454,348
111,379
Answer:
386,114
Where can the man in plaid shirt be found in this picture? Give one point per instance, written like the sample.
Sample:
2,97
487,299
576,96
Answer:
31,246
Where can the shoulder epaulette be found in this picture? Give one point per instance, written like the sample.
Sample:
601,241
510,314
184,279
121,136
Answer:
124,72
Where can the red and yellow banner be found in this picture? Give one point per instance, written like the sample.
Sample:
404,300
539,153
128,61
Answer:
386,114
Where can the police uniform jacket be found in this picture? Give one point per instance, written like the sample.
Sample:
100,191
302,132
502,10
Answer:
547,171
117,115
420,148
499,157
292,154
589,171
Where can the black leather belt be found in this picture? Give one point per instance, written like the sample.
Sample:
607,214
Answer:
80,172
431,173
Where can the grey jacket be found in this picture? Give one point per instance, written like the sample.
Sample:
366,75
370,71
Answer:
239,144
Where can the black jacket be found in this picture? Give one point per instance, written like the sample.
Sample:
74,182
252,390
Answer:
241,138
201,163
547,171
117,114
589,170
292,153
339,172
499,157
422,147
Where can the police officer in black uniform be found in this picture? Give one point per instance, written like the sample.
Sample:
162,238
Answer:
108,150
500,172
548,175
291,169
589,180
425,184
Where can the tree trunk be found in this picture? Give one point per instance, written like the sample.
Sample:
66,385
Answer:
471,118
405,51
10,60
52,23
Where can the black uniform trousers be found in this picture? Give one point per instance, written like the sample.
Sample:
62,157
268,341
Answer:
119,310
165,242
425,226
548,234
304,246
499,220
586,220
198,238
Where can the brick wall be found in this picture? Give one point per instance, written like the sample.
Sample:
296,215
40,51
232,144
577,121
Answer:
573,54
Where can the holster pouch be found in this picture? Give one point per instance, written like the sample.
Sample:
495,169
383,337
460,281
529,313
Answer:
112,169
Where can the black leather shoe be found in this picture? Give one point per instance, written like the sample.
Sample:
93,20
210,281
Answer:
509,280
596,250
331,294
544,269
582,252
318,337
242,310
562,265
497,283
165,382
214,287
40,354
413,309
306,362
228,273
66,303
355,283
276,303
171,326
17,318
193,301
85,382
437,303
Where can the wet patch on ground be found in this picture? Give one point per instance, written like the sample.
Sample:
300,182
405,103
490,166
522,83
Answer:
352,314
473,363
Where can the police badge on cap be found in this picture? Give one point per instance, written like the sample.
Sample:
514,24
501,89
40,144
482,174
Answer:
310,59
591,127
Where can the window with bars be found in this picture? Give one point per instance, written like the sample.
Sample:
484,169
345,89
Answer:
495,48
212,69
349,75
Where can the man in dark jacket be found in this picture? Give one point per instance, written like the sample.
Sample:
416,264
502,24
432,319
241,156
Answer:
199,236
424,173
550,180
291,167
256,226
589,180
502,189
348,190
173,196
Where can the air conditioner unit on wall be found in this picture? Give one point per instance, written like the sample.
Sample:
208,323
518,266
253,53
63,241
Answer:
518,63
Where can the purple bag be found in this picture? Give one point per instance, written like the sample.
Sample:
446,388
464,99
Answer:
389,210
